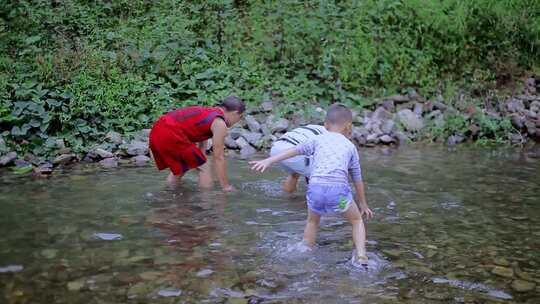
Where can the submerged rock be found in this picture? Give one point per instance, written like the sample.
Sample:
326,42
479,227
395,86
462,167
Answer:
108,236
140,160
170,293
503,271
109,163
75,285
247,151
11,268
204,273
523,286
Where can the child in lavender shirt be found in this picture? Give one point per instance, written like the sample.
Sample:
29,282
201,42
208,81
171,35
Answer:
334,158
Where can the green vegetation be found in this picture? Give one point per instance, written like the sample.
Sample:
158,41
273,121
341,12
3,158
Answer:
75,69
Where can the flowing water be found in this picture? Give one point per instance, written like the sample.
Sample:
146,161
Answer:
449,227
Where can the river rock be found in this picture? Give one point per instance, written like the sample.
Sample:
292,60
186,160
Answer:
75,285
523,286
8,158
230,143
138,289
150,275
389,105
500,261
398,98
137,148
114,137
63,159
247,151
409,120
234,133
387,139
518,121
140,160
388,126
49,253
103,153
11,268
44,169
418,109
372,138
109,163
241,142
253,124
514,105
252,137
503,271
454,140
204,273
170,293
267,106
381,114
281,125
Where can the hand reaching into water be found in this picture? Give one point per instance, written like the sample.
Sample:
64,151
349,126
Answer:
364,210
260,165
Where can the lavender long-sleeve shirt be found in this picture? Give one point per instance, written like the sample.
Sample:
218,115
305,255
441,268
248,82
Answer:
334,157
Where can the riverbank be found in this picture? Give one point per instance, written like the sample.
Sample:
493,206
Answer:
390,121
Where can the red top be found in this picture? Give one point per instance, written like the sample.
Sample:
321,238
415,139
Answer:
194,121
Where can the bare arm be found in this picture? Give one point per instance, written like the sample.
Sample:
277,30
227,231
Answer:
219,131
261,165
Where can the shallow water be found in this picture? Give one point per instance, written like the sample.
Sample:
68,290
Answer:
443,222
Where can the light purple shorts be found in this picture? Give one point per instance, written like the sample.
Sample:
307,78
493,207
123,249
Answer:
329,198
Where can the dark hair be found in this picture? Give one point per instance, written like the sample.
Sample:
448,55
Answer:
233,103
338,114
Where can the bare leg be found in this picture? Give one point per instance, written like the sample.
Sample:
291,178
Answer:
173,180
312,225
205,176
359,231
289,185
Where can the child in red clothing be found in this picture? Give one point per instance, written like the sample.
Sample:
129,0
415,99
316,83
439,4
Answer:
178,140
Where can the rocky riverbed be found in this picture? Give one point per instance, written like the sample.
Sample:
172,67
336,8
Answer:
393,121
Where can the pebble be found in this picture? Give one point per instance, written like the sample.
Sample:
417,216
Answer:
170,293
11,268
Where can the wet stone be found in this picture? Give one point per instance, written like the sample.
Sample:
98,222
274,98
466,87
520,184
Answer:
103,153
204,273
150,275
523,286
137,148
140,160
63,159
392,253
501,262
75,285
437,295
170,293
49,253
109,163
503,271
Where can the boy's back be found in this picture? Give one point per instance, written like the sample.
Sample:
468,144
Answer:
334,156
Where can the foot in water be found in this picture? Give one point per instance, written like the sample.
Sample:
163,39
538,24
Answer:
359,261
